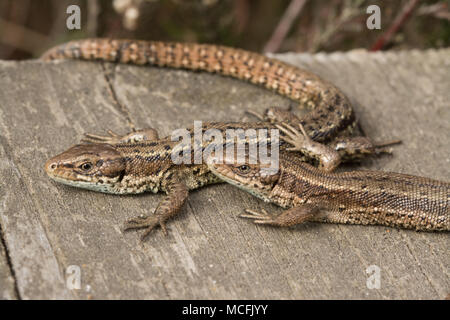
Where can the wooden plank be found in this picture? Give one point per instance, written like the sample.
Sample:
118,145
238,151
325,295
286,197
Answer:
210,252
7,290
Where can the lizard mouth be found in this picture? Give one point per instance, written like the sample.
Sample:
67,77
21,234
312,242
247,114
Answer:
224,173
60,171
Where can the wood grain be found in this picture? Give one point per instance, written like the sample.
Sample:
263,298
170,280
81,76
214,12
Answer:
210,252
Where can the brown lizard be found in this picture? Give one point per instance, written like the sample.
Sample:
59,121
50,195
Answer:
140,161
331,111
355,197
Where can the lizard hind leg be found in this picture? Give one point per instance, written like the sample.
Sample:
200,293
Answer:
289,217
328,158
148,134
351,148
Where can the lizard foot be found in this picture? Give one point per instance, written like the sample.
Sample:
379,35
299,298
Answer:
299,140
113,138
262,217
149,223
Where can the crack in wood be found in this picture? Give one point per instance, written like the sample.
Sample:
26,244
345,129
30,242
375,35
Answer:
120,107
10,264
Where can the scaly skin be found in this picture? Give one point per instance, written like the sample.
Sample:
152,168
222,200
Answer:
356,197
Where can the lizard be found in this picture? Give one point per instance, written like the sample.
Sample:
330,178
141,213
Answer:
350,197
140,161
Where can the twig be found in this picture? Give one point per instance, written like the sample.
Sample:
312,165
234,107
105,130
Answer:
241,10
437,10
350,11
92,18
19,17
399,21
30,41
283,27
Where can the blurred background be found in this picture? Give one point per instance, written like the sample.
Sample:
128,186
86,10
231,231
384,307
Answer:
29,27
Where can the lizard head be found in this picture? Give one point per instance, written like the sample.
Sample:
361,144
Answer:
257,179
97,167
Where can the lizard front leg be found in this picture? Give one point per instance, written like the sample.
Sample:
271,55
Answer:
148,134
177,193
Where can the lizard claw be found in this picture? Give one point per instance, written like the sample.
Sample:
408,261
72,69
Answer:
112,133
381,147
262,217
149,223
114,138
255,114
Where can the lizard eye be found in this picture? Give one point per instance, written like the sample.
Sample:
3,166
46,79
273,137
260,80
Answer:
244,168
86,166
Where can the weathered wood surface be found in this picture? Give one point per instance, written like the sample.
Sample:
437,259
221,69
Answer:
210,252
